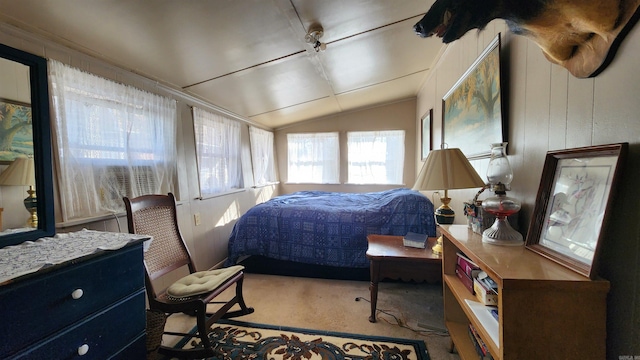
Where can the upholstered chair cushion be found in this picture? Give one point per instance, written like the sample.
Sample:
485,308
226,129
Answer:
201,282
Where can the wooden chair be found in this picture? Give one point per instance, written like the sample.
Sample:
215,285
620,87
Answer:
155,215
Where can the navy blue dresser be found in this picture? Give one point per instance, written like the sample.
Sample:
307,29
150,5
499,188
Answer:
87,306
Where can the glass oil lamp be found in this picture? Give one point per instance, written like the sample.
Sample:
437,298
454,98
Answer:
499,175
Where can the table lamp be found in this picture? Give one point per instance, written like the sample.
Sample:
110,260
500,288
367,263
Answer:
446,169
21,172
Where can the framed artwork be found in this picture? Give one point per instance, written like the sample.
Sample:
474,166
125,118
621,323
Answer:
16,132
574,199
425,134
472,109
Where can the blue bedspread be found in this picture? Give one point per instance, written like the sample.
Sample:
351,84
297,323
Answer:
328,228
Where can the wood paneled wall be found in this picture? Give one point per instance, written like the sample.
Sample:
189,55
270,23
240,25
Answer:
548,109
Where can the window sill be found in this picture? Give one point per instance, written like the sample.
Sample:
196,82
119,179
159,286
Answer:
310,183
88,220
265,185
211,196
396,185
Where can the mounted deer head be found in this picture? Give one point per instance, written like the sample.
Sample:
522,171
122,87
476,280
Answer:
580,35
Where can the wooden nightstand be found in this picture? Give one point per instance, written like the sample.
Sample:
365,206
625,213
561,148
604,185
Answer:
390,259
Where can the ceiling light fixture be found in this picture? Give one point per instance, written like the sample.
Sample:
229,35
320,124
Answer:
313,37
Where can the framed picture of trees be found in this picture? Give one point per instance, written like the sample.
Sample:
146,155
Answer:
472,110
16,136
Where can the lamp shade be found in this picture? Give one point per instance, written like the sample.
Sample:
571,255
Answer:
447,169
20,172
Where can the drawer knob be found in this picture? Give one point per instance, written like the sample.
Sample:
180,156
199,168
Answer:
82,350
77,294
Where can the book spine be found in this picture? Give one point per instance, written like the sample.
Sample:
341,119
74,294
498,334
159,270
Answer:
475,343
481,347
466,280
489,283
415,240
486,296
413,244
469,267
494,313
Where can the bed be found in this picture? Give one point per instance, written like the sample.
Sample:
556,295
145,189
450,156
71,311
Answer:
327,228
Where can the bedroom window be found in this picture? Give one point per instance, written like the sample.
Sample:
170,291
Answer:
111,140
313,158
262,156
218,152
375,157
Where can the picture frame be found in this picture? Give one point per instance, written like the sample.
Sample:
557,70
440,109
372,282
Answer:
18,114
472,114
425,134
573,205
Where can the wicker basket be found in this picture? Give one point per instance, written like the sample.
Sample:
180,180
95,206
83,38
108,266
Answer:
155,327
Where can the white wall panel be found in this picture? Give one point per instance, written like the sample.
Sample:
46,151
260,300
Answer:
549,109
558,94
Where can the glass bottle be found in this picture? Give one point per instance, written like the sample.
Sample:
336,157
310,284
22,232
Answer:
500,175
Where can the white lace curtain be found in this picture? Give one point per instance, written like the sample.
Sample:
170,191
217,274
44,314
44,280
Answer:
262,156
218,152
112,140
313,158
375,157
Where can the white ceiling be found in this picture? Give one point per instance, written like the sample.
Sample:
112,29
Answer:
250,56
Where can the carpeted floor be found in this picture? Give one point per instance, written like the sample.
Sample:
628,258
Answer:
406,310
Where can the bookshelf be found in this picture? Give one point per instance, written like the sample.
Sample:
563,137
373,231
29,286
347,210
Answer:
546,311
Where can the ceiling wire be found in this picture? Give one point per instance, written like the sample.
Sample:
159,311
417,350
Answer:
374,29
356,34
244,69
314,57
297,13
322,71
256,65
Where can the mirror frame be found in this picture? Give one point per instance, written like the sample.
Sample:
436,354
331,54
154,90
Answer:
41,145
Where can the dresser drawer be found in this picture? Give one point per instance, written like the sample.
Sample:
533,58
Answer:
32,310
102,334
137,349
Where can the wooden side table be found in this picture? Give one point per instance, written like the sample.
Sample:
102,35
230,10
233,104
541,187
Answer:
390,259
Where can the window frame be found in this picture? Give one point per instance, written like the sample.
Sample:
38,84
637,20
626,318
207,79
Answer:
386,164
228,141
333,174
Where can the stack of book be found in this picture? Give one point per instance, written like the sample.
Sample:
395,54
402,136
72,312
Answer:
486,289
415,240
481,347
476,280
466,270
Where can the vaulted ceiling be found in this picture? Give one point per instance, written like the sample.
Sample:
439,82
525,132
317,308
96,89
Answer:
250,56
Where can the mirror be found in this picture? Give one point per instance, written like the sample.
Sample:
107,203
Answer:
35,86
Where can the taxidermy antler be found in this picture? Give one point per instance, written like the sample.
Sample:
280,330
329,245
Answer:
580,35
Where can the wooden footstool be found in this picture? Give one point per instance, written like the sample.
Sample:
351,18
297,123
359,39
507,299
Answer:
390,259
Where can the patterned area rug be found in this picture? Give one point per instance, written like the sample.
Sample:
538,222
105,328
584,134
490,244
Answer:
243,340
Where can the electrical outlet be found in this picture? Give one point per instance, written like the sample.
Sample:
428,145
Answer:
196,218
435,198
